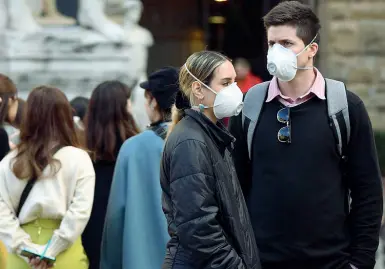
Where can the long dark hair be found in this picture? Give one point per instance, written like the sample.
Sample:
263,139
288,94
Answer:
7,90
108,123
20,113
46,124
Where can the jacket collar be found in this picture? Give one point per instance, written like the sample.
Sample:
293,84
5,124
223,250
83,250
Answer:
160,128
217,132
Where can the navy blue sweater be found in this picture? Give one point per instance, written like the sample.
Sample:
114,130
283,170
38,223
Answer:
297,195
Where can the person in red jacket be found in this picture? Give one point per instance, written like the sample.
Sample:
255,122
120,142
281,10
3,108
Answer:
245,79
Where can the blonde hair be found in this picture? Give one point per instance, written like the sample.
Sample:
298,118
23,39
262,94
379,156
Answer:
202,65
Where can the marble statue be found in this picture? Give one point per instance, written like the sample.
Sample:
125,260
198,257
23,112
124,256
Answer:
15,15
51,15
39,45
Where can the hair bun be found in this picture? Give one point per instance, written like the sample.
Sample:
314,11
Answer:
181,101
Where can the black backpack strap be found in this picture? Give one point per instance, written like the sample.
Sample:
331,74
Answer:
28,188
343,132
25,194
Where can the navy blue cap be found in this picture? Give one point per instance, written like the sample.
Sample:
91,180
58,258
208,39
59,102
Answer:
163,85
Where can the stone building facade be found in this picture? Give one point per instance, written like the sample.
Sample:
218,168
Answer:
353,49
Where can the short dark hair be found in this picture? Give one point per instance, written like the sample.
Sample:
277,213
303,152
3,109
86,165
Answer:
298,15
165,112
80,105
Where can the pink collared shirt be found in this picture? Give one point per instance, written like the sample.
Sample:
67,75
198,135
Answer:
317,89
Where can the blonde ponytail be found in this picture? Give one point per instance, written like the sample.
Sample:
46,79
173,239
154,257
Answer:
176,116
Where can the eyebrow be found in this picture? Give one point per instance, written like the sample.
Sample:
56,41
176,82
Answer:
226,79
281,40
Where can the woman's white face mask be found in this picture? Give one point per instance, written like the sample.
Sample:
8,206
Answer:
228,101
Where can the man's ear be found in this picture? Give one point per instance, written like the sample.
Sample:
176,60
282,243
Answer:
313,49
197,90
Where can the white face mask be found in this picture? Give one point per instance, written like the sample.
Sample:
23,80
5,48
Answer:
282,62
228,102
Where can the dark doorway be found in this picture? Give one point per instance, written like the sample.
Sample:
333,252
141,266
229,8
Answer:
244,33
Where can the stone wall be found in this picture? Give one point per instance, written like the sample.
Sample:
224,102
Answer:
353,50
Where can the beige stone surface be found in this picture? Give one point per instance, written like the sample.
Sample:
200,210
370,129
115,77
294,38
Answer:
344,37
365,11
382,74
372,37
381,87
337,11
361,89
355,50
360,75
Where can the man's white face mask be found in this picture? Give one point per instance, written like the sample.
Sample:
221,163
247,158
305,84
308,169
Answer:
282,62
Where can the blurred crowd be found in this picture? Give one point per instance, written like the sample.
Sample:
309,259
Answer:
231,173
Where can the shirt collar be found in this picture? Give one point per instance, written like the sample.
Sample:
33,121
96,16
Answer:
318,88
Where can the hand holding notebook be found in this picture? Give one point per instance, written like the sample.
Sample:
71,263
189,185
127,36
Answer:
36,258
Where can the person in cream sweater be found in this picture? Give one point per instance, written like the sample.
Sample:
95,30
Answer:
58,207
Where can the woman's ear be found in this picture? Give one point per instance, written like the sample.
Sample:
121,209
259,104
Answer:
197,90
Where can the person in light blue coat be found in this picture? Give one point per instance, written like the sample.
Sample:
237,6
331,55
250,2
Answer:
135,230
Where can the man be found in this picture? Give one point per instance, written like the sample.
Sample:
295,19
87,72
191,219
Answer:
311,177
245,79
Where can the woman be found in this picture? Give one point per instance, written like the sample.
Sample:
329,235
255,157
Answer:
79,108
135,233
9,107
207,216
79,105
60,178
108,124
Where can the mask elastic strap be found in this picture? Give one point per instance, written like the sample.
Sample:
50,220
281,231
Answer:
191,74
307,67
201,107
305,48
